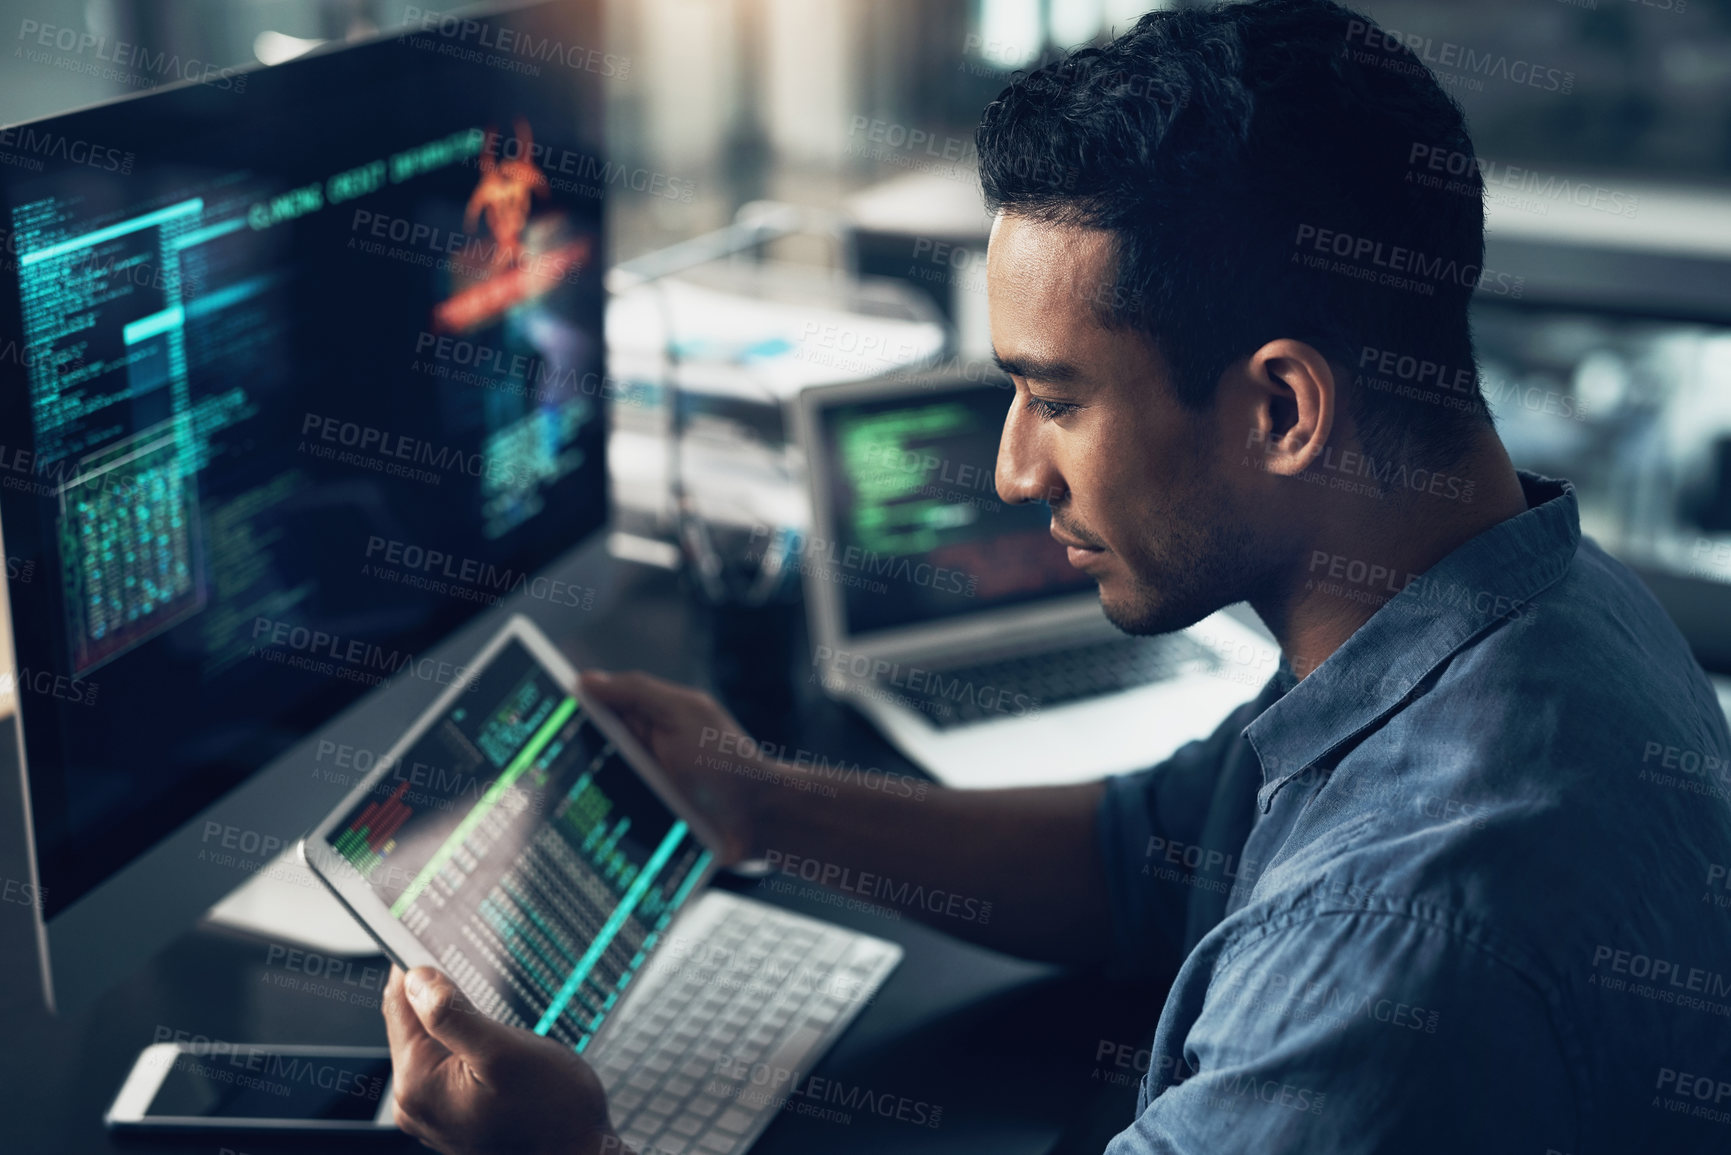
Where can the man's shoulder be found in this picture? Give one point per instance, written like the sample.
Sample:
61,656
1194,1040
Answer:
1562,781
1581,696
1574,762
1594,652
1562,785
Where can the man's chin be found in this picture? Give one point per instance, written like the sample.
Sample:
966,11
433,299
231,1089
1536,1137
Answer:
1144,613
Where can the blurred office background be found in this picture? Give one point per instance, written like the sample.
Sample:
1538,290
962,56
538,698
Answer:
1609,191
756,97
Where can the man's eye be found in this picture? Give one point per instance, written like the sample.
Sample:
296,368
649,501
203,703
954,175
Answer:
1050,410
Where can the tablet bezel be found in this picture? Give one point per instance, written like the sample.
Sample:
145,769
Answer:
346,883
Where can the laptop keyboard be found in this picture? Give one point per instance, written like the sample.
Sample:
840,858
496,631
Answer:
734,1008
1011,687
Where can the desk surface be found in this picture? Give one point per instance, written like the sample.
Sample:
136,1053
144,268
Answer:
1006,1049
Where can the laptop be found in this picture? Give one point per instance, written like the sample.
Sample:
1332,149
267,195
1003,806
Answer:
520,839
956,624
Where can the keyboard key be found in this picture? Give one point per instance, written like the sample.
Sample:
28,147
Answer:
615,1068
792,1054
717,1142
734,1120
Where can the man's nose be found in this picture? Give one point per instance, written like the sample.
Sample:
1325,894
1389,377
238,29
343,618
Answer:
1025,470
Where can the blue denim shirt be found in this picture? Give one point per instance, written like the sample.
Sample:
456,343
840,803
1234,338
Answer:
1462,889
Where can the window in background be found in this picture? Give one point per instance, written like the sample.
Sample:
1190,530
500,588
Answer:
1120,14
1073,22
1010,32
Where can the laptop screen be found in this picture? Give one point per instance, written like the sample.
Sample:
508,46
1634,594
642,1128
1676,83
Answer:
513,840
920,533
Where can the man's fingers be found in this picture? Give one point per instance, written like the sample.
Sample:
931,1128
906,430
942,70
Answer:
450,1018
415,1056
642,693
635,692
402,1027
643,703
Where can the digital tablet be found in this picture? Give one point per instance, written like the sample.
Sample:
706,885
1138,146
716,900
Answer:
519,839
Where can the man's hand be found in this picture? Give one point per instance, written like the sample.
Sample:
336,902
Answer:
466,1085
708,755
1029,856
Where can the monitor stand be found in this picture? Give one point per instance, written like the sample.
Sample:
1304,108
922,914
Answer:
285,903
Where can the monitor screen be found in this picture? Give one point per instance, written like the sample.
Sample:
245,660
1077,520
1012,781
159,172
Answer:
515,842
920,533
308,374
1636,411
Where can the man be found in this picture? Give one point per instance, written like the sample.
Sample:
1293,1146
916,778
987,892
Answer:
1439,887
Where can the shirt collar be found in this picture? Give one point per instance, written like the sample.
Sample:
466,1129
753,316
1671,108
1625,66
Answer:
1492,577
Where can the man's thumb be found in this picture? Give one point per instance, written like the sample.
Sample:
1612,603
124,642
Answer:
448,1015
614,691
633,697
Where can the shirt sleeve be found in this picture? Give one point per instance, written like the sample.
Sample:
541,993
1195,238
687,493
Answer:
1357,1032
1147,823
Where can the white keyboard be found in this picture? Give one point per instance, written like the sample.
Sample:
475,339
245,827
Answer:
736,1005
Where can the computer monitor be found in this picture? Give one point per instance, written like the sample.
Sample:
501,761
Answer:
1636,411
305,373
1612,368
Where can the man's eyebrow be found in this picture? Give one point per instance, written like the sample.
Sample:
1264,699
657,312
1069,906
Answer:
1036,369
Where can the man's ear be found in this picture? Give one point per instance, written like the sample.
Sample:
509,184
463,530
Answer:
1293,393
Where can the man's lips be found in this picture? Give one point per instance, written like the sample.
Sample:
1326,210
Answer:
1070,543
1078,553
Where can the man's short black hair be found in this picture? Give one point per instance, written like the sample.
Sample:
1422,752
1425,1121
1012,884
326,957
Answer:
1273,168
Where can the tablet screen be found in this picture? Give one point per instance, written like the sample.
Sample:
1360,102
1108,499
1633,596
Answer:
516,843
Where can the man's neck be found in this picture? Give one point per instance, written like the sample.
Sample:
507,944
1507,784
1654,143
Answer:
1368,549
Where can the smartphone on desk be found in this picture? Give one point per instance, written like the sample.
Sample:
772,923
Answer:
197,1086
